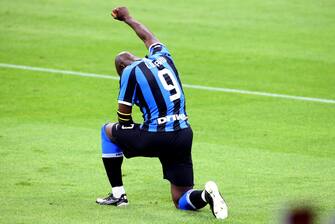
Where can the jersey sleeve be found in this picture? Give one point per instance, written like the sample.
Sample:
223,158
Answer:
127,87
158,48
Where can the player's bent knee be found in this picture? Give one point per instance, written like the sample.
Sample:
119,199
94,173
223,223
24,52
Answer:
109,149
108,128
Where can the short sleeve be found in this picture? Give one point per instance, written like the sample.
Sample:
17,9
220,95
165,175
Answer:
158,48
127,87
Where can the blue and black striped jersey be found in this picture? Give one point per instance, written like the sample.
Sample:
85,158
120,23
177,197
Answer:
153,84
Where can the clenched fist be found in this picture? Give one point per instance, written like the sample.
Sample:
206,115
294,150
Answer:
120,13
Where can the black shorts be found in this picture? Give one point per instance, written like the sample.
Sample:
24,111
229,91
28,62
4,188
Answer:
172,148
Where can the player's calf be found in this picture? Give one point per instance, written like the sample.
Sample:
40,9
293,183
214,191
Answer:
112,157
192,200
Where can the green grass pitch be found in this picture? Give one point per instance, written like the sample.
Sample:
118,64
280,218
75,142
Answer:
263,152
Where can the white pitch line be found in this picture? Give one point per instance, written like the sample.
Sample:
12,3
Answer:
207,88
58,71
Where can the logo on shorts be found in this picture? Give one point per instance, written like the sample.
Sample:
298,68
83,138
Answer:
174,117
129,126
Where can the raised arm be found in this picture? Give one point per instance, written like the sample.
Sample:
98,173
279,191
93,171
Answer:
122,14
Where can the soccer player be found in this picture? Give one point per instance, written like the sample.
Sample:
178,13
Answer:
152,83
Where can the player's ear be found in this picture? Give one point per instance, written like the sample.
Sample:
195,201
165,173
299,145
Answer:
120,68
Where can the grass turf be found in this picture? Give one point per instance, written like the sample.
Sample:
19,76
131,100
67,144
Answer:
263,152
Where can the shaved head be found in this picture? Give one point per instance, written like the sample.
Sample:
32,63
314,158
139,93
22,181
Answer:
124,59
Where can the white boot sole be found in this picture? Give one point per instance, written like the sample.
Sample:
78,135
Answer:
220,208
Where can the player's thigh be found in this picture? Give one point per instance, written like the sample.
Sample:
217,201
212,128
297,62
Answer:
177,164
178,170
134,141
120,133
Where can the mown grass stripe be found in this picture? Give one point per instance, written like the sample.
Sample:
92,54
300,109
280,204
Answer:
190,86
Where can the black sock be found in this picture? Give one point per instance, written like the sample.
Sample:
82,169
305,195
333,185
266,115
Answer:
196,199
113,170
